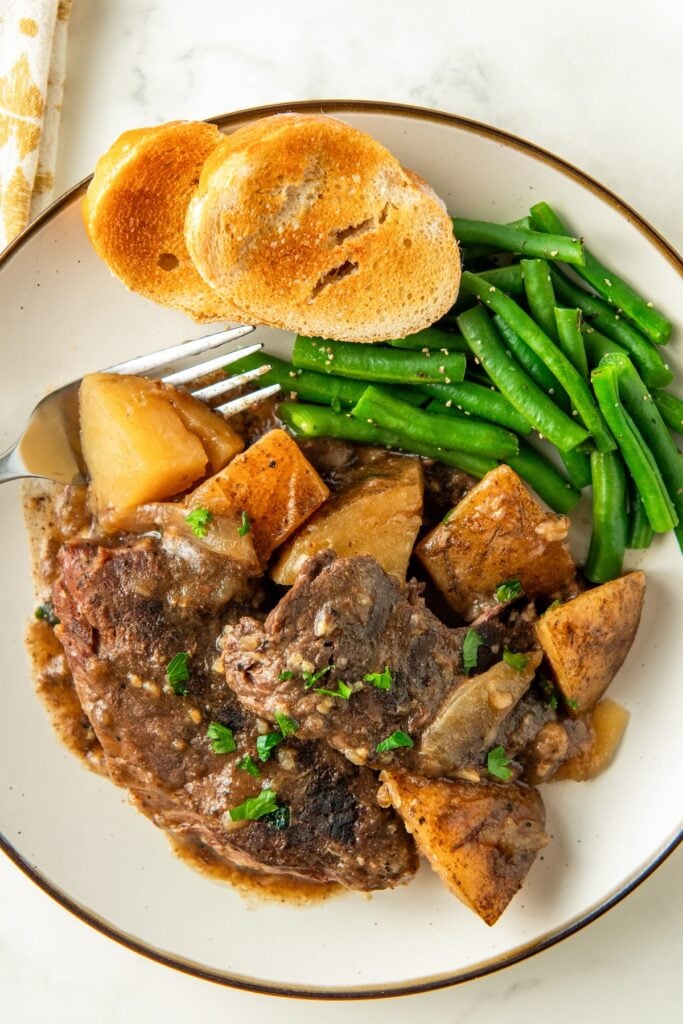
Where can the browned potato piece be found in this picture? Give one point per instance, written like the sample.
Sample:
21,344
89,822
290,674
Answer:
481,839
608,721
498,532
220,441
377,515
587,639
274,483
135,445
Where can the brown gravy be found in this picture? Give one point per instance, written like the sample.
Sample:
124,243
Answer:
53,514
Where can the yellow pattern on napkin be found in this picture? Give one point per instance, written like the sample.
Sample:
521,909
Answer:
32,66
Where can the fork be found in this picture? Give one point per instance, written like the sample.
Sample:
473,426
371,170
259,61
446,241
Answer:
50,448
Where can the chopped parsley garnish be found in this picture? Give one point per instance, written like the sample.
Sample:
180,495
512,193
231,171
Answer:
256,806
393,742
311,678
516,661
46,613
287,726
497,763
245,526
448,516
178,674
266,744
247,764
550,693
554,604
573,704
508,591
284,676
471,645
198,521
279,819
342,690
382,680
222,739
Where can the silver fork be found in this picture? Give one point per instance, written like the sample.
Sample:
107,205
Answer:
50,446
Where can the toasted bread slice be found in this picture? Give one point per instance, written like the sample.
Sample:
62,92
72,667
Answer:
310,225
134,213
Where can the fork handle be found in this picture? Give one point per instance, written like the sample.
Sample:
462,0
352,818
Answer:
12,466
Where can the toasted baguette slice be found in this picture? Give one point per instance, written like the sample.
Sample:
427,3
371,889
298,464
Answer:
134,213
310,225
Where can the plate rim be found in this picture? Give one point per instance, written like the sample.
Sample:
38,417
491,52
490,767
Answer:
526,950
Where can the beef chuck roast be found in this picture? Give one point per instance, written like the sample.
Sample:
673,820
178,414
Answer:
125,611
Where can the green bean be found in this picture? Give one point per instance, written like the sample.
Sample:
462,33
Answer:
597,345
608,538
462,434
313,387
578,466
671,408
540,296
528,399
372,363
637,456
474,252
535,367
433,338
556,361
546,480
320,421
570,339
509,279
640,533
608,284
644,354
648,420
477,400
516,239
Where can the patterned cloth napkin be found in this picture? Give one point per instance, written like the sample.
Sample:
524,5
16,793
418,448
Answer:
32,66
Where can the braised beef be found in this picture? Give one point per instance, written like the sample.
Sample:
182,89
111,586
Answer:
124,612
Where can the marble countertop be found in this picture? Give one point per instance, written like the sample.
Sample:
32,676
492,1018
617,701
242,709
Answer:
600,85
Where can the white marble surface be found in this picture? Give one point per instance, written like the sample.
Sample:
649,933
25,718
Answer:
597,82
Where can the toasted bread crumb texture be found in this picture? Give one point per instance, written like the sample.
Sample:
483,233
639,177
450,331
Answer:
307,224
134,213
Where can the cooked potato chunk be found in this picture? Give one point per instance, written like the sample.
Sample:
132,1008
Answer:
135,445
496,533
220,441
587,639
480,839
378,515
608,721
274,483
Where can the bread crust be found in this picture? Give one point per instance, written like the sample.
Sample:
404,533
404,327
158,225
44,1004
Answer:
134,213
309,225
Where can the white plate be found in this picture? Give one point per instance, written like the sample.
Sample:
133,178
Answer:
74,833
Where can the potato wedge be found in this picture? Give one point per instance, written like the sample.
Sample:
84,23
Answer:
608,721
378,515
587,639
480,839
496,533
274,483
135,445
221,443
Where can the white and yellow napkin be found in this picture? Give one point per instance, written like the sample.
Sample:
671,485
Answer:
32,68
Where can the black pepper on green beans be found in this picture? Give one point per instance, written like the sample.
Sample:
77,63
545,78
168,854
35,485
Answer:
516,385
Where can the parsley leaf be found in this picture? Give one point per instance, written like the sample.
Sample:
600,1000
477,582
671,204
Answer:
516,661
198,521
573,704
382,680
266,744
393,742
497,763
256,806
246,764
279,819
222,739
287,726
470,647
447,516
311,678
245,526
549,692
508,591
46,613
178,673
342,690
284,676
